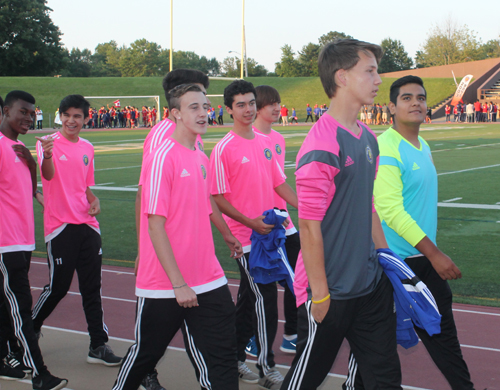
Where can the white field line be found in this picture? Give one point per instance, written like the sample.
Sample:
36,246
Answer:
467,147
468,170
113,169
451,200
470,206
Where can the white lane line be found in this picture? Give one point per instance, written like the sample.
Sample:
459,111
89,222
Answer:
103,297
478,312
451,200
468,170
470,206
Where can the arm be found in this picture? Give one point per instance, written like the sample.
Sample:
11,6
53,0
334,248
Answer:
378,235
95,206
288,194
45,150
233,244
185,296
137,225
24,153
442,263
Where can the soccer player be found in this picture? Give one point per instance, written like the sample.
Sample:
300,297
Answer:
246,176
340,287
180,283
17,236
309,113
72,232
284,115
406,201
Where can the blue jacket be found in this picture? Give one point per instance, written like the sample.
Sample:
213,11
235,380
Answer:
414,302
268,260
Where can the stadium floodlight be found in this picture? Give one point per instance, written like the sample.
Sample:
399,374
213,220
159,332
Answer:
171,56
243,51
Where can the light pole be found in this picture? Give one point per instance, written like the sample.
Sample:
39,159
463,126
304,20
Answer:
242,35
171,57
245,62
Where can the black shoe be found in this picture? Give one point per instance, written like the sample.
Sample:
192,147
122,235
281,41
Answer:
103,355
15,360
11,374
47,381
150,382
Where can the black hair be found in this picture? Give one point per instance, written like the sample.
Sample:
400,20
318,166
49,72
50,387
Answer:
237,87
396,86
183,76
75,101
1,104
14,96
175,94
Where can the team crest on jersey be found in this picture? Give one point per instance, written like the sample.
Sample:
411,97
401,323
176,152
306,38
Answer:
85,160
204,172
200,146
369,155
278,149
268,154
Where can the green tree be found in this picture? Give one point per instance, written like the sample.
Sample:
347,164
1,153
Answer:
106,60
331,36
142,59
308,58
231,67
395,57
289,66
491,49
79,63
29,40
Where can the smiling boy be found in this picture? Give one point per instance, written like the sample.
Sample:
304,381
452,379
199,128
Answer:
72,232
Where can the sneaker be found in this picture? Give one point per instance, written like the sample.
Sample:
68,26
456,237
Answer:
289,346
246,375
272,381
150,382
15,360
103,355
251,348
10,373
47,381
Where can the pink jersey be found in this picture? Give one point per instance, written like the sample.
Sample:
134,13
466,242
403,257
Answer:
65,195
176,186
279,153
17,224
246,173
160,132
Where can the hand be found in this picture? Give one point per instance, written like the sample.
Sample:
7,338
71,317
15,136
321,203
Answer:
319,310
39,198
23,152
234,246
286,222
445,267
186,297
47,145
260,227
95,207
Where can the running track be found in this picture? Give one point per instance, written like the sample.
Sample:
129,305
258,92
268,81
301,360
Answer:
478,329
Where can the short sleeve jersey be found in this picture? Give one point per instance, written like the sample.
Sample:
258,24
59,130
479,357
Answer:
406,191
177,187
334,176
17,224
279,150
65,195
246,172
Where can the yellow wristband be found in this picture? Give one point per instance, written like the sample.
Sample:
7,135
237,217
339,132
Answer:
321,300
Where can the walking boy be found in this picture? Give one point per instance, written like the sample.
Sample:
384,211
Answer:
340,287
71,230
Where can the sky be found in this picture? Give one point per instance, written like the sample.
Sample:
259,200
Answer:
213,28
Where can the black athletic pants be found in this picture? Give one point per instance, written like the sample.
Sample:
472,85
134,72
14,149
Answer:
220,120
309,116
15,307
368,323
262,299
209,337
77,247
444,348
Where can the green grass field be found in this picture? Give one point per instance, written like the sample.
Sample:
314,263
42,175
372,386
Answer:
467,158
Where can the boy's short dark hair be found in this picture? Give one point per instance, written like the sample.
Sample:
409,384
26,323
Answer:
75,101
396,86
266,95
237,87
175,94
1,105
183,76
342,54
14,96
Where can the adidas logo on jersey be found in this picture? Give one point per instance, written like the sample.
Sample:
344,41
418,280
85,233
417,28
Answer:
245,160
349,161
185,173
415,166
63,158
17,159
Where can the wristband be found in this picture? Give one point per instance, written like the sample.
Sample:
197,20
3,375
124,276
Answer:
182,285
37,192
46,158
321,300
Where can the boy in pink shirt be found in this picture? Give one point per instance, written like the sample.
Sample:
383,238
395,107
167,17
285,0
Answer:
180,283
245,179
71,230
17,237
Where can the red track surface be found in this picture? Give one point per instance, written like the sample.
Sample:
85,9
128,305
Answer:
478,330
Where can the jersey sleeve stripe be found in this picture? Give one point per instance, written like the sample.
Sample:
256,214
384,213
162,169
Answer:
281,170
219,166
321,156
156,172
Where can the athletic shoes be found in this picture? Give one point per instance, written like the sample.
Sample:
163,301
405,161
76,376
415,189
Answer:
103,355
150,382
289,346
15,360
47,381
10,373
272,381
246,375
251,348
